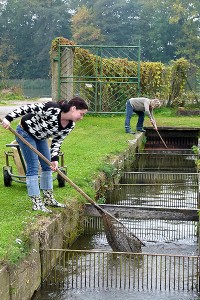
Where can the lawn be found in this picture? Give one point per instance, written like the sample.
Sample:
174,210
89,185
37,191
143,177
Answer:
86,149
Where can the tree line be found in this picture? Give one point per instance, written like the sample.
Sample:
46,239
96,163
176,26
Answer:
165,29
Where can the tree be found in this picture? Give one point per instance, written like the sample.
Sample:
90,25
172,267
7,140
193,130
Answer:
117,20
186,15
7,57
83,29
167,29
156,34
31,26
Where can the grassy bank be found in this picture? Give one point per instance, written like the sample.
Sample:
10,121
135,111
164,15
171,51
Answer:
86,150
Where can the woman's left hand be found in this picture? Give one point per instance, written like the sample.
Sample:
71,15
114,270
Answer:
6,123
54,165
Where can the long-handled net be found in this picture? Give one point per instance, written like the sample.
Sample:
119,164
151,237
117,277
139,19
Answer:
118,235
161,138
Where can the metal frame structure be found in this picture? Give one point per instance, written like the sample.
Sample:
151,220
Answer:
15,167
105,76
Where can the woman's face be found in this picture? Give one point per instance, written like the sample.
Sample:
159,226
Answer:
76,114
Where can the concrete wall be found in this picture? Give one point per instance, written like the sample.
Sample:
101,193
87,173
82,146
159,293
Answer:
5,284
62,75
19,282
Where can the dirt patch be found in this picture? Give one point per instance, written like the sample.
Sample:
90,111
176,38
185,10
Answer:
188,112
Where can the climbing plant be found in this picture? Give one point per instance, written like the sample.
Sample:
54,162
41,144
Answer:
178,72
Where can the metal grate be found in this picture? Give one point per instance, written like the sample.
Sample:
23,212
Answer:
174,137
159,178
167,151
91,269
163,231
164,189
164,161
154,195
154,230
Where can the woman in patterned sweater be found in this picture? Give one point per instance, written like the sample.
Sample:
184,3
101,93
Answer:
39,122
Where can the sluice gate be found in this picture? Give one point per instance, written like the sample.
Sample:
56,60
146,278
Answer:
157,198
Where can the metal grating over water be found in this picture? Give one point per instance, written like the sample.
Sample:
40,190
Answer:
175,138
163,189
164,178
172,142
91,269
168,160
164,196
157,200
159,177
149,229
167,151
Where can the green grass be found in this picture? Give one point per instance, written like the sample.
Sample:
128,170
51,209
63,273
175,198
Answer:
86,151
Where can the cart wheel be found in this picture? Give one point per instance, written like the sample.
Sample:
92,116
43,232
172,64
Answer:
7,178
61,181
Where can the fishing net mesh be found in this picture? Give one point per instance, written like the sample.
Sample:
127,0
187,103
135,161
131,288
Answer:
119,236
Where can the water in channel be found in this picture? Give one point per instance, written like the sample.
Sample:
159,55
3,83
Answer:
161,179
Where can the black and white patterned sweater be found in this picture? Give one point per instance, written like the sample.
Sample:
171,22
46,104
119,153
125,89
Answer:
42,121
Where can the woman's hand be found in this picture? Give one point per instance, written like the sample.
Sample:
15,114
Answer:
54,166
5,123
154,124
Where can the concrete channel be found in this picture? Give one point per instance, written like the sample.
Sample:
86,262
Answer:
170,258
20,282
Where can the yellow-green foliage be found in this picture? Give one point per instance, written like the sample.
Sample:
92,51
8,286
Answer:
60,41
179,70
153,75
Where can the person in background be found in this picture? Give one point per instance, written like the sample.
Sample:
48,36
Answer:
140,106
39,122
